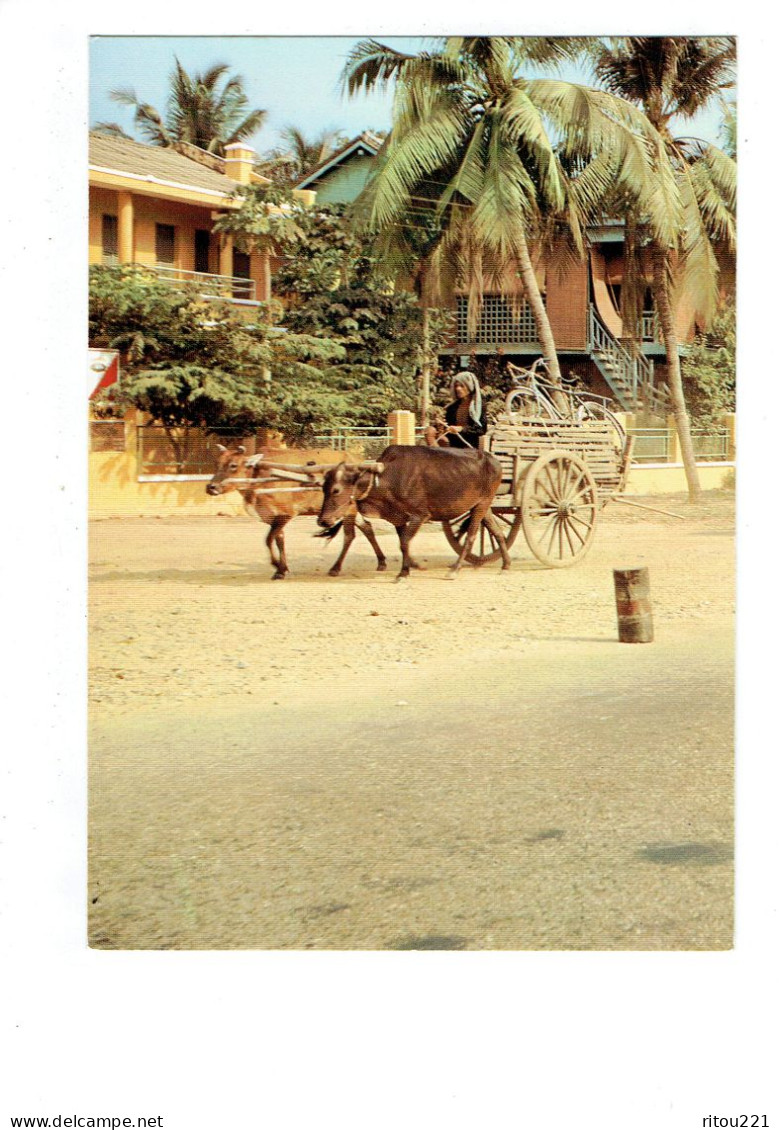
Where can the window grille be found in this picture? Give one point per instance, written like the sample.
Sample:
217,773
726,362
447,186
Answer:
499,324
110,239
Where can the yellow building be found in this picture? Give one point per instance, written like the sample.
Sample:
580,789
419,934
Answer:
157,206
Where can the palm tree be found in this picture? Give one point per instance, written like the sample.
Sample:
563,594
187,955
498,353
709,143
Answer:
675,77
495,156
297,155
210,110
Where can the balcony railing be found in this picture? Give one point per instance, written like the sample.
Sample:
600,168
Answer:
229,287
649,326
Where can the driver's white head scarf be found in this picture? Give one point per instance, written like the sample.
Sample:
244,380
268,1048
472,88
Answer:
465,377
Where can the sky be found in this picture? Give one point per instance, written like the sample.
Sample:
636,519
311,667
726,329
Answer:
295,78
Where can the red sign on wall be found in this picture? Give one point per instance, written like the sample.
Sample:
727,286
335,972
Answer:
102,370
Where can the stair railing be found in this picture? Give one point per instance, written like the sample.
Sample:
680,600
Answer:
633,373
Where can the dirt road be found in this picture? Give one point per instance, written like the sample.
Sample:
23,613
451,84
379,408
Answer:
436,764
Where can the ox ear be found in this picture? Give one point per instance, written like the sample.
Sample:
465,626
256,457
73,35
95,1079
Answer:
221,447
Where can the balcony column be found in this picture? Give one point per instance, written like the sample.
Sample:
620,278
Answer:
226,254
126,227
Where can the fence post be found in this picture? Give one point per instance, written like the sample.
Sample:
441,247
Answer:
401,425
674,448
132,418
729,420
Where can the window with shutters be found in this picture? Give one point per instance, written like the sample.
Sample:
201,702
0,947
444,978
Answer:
110,240
165,244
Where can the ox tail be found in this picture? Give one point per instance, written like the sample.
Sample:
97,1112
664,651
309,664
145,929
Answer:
330,532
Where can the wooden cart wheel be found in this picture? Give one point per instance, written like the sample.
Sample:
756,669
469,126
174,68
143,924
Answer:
559,508
485,546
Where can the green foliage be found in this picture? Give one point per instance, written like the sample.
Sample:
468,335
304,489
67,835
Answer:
194,362
333,287
268,219
709,370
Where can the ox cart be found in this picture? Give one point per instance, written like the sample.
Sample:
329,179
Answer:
557,476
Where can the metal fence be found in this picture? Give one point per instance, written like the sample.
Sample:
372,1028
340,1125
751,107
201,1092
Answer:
710,445
192,451
178,451
367,442
653,445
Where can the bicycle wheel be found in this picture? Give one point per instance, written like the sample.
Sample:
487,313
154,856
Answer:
521,404
594,410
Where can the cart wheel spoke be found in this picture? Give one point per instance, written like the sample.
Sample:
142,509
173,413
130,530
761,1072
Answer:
573,548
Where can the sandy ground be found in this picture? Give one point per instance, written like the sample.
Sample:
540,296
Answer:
357,764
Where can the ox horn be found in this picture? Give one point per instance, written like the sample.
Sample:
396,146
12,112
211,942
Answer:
371,466
221,447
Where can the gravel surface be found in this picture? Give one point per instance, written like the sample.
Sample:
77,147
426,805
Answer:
353,763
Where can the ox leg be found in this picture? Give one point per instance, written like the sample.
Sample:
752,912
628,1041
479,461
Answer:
349,535
366,528
477,514
492,524
405,534
276,538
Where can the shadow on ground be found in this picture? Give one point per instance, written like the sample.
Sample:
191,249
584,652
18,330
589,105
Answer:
701,855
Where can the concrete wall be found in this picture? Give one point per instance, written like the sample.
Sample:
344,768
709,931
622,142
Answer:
116,491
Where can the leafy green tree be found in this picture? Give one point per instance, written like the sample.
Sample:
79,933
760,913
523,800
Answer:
709,370
209,109
190,362
334,286
675,77
495,156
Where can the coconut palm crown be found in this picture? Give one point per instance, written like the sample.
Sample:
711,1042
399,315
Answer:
210,110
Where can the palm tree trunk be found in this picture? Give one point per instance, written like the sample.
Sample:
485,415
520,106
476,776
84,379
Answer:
668,323
538,310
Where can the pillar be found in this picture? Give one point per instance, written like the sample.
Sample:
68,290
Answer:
126,227
226,255
401,425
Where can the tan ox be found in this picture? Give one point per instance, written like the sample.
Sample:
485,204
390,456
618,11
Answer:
276,496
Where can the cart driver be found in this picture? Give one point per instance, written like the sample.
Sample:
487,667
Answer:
464,419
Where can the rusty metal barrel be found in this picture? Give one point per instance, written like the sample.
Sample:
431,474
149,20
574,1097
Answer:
634,608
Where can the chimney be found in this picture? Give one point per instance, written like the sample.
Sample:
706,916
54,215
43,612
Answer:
239,162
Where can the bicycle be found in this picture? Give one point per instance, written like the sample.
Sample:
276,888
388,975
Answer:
534,395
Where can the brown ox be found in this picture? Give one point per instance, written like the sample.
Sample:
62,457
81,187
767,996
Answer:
277,498
412,485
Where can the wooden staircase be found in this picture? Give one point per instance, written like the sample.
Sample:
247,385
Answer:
631,379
